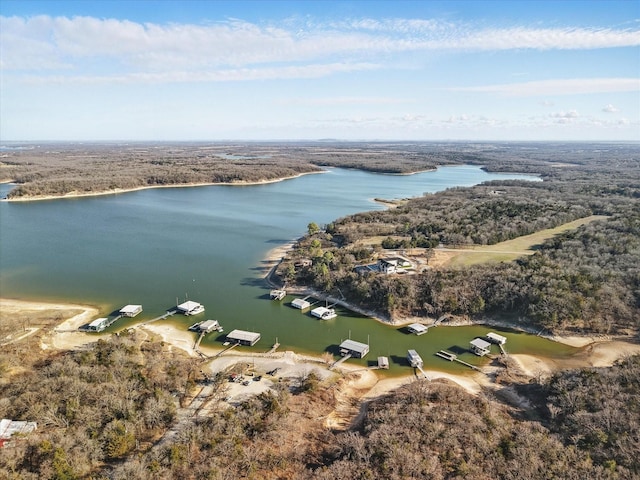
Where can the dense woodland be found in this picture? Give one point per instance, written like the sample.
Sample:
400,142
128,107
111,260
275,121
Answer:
102,413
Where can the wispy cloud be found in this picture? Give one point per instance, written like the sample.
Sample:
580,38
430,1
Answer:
559,87
85,46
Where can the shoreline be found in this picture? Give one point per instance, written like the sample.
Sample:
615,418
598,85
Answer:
118,191
65,336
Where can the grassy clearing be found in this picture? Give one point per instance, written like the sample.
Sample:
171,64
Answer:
512,249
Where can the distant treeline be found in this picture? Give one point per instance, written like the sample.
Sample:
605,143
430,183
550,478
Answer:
58,168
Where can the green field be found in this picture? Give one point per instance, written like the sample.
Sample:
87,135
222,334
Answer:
512,249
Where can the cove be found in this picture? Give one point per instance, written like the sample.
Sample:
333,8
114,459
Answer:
153,247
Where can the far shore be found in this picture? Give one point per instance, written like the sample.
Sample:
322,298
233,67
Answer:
117,191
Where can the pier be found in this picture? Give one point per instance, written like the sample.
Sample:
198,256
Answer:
274,347
452,357
168,314
341,360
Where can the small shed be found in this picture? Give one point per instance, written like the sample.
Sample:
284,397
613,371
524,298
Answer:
383,362
243,337
98,325
495,338
353,348
300,303
480,347
418,328
130,310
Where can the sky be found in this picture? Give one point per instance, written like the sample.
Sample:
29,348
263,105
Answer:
108,70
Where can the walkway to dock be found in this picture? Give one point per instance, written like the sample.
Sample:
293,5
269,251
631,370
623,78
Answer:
168,314
338,362
502,350
423,372
274,348
219,354
452,357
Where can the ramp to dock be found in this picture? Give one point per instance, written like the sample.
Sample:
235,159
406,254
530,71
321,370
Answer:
424,374
343,359
502,350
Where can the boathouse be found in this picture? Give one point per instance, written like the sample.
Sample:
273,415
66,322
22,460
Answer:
480,347
190,308
98,325
130,310
324,313
495,338
354,349
243,337
414,359
277,294
417,328
208,326
383,363
300,303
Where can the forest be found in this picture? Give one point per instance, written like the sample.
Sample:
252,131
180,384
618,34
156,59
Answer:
104,412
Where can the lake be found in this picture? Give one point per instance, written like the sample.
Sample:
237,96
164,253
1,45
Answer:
158,246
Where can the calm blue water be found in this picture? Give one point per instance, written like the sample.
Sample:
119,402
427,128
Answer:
152,247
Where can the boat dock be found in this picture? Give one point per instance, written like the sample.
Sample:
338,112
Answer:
277,294
274,347
452,357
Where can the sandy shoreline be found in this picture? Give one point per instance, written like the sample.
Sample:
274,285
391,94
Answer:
117,191
595,352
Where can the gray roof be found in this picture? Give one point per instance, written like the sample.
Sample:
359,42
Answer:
355,346
480,343
243,335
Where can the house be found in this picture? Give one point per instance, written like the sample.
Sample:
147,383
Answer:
130,310
243,337
303,263
98,325
353,348
480,347
417,328
387,266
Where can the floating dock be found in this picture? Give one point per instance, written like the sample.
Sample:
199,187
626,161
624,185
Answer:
418,328
452,357
301,303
